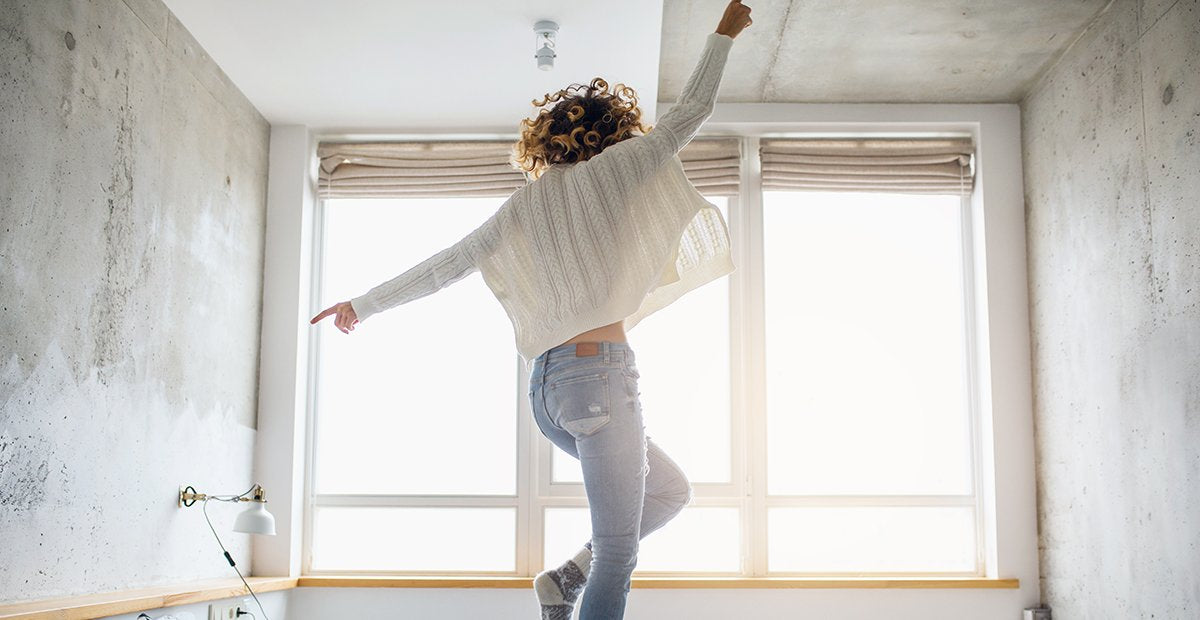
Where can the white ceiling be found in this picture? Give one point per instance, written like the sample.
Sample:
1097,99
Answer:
392,66
362,65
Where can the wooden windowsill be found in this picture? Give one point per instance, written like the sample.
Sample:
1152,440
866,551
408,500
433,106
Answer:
344,581
90,606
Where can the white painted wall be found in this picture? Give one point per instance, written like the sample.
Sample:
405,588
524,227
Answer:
647,604
283,385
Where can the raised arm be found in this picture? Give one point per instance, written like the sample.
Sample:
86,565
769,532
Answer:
695,103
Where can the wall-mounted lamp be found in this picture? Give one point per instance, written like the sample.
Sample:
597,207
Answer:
546,32
254,520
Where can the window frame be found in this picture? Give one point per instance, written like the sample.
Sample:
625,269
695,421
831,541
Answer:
747,487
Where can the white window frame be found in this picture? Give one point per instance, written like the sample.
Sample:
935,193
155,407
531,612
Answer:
1005,484
754,400
747,488
1003,359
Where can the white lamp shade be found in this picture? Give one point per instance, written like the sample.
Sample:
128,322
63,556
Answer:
255,520
545,58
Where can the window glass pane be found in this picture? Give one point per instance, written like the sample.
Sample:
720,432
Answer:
414,539
871,539
673,547
865,344
682,354
411,390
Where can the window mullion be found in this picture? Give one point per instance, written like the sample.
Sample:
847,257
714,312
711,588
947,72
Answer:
970,367
529,539
739,428
751,368
316,291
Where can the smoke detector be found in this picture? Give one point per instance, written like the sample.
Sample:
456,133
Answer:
546,31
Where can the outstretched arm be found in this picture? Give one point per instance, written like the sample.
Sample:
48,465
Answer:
430,275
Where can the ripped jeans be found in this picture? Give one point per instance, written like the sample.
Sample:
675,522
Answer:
588,405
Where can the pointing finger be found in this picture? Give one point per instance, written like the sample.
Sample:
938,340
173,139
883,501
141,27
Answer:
325,313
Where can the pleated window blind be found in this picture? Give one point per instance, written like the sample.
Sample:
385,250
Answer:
446,169
442,169
713,165
908,166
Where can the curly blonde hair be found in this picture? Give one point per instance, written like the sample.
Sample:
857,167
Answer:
578,126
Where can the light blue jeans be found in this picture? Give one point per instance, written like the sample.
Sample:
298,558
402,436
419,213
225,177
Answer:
588,405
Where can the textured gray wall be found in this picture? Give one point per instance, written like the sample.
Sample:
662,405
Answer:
132,205
1112,173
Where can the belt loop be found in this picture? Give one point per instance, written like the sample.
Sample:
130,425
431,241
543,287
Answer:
606,345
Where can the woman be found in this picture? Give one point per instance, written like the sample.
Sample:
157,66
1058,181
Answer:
608,232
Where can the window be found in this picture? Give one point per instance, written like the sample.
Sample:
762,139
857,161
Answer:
818,398
394,428
867,410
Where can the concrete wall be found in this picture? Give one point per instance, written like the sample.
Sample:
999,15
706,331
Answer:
1112,177
132,200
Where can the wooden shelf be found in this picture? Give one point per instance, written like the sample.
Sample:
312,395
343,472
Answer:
91,606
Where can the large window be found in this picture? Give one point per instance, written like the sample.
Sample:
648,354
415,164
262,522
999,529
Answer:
417,408
818,399
868,464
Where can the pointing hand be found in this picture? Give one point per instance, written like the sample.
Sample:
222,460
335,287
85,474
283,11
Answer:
346,318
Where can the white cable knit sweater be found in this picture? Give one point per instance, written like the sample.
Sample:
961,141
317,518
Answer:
617,236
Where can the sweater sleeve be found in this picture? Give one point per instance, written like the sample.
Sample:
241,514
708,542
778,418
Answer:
642,155
430,275
696,101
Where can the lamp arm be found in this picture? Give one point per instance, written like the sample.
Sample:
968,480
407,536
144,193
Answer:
188,496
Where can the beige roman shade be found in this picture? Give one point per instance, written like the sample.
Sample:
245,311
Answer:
713,165
909,166
449,169
430,169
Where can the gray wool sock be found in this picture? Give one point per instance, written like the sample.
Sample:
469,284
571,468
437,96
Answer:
558,589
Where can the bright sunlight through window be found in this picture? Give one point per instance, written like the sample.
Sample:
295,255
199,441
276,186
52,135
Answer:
865,417
866,384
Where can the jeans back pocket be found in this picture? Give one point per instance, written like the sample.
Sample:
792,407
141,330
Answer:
579,404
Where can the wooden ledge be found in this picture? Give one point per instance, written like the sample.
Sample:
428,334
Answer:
341,581
132,601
